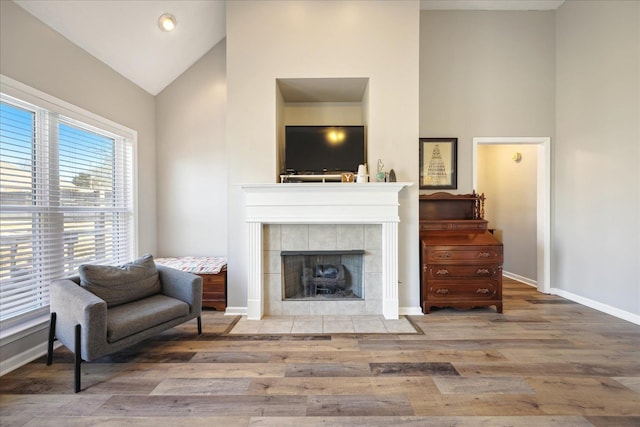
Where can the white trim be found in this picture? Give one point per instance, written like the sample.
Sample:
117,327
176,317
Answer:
543,198
616,312
520,279
411,311
235,311
24,327
27,356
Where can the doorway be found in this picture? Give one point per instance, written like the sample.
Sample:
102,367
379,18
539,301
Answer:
543,198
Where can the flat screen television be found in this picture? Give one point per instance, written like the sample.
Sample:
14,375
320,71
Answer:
322,149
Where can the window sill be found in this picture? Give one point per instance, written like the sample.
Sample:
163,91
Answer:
23,329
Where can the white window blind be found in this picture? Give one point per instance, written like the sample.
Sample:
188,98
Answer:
66,198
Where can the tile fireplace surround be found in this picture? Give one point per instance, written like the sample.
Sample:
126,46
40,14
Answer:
323,203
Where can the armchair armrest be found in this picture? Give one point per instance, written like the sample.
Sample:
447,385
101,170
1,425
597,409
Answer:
183,286
75,305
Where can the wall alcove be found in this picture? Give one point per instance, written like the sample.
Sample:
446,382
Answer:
319,101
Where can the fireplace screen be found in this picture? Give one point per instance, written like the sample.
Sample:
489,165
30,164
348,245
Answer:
309,275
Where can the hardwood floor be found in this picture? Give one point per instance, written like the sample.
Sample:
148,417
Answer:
546,361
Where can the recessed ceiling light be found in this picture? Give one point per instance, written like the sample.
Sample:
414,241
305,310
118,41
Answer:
167,22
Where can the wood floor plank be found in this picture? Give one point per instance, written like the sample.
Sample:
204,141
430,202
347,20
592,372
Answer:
149,406
202,386
480,385
333,386
328,370
210,421
359,405
431,369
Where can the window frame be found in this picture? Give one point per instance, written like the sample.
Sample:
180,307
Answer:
59,111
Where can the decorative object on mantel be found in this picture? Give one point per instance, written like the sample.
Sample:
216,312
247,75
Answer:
438,158
363,176
392,176
380,176
347,177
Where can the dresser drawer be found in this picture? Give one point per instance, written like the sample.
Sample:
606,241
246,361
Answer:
467,225
444,271
463,289
213,282
214,296
474,254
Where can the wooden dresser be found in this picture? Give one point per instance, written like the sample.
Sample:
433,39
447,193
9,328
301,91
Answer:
461,261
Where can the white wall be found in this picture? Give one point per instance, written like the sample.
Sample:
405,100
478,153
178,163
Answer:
192,162
283,39
486,74
596,213
511,206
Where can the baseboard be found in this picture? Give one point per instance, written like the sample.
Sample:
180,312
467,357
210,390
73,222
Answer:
25,357
410,311
616,312
235,311
520,279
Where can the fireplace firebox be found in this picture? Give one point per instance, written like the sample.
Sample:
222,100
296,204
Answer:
321,275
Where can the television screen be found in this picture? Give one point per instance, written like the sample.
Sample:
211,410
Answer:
318,149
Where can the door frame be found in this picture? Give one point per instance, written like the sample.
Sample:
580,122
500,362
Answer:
543,198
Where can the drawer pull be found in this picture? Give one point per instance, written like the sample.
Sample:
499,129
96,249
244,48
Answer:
442,272
444,255
482,291
483,271
442,291
484,254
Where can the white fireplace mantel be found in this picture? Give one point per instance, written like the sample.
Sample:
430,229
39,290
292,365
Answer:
323,203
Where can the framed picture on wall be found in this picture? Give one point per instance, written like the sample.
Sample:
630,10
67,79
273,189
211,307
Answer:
438,163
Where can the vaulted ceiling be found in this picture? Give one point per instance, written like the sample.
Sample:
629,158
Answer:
126,36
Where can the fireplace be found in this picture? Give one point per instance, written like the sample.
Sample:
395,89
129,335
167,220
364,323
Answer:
322,275
374,206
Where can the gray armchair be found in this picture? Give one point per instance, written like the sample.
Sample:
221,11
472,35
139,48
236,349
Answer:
106,309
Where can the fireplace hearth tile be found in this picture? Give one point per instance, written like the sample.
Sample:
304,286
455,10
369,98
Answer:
303,327
329,324
368,326
338,327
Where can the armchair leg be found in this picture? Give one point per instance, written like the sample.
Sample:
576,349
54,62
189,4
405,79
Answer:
52,337
199,325
77,358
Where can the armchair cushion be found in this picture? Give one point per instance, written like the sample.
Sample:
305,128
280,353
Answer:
118,285
127,320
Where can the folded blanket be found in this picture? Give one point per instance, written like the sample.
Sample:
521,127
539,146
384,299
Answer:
195,264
